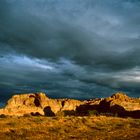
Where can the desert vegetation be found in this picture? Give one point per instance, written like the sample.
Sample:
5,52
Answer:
35,117
69,127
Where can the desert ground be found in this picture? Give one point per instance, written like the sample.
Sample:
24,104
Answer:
69,128
37,117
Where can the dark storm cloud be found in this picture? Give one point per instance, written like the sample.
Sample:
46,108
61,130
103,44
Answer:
88,43
56,31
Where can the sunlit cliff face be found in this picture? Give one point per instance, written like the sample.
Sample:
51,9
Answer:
77,48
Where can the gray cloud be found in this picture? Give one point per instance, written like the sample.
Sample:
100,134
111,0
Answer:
90,44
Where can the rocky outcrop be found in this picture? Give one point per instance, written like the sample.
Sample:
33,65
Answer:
121,105
122,100
118,104
37,104
40,104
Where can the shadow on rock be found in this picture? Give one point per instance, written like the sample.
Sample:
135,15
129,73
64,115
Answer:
48,112
83,110
34,114
105,108
134,114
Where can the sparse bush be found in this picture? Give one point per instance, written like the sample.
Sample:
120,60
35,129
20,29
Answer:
66,113
27,115
35,114
12,124
38,120
3,116
93,112
60,114
116,115
69,112
108,114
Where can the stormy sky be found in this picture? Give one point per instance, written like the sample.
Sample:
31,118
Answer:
69,48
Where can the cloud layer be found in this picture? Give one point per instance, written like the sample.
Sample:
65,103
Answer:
72,48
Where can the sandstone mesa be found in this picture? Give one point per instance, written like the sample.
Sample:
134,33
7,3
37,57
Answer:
40,104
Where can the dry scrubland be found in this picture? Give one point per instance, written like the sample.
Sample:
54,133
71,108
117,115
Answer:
65,128
37,117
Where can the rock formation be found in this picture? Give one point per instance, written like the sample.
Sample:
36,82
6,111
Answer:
37,104
120,104
40,104
122,100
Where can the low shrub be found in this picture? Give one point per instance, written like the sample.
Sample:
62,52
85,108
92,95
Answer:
3,116
66,113
93,112
60,114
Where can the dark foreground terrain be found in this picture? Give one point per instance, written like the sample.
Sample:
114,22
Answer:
68,128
